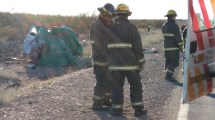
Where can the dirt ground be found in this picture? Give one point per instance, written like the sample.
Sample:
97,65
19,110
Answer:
66,93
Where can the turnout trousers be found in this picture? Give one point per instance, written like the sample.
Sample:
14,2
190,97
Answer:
134,80
172,62
102,89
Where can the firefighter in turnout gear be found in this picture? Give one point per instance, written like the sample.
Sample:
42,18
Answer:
184,36
184,33
102,89
172,44
125,59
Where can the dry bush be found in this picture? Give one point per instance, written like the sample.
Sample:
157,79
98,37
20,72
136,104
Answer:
16,25
88,19
7,95
12,26
87,49
150,38
9,48
144,23
8,75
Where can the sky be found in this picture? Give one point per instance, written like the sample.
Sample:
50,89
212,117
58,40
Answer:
141,9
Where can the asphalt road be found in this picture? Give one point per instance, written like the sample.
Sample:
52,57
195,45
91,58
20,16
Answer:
202,108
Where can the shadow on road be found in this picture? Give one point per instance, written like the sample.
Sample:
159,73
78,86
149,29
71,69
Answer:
105,115
211,95
44,73
177,83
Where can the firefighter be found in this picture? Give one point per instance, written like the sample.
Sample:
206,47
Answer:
184,33
149,27
172,44
125,59
184,36
102,89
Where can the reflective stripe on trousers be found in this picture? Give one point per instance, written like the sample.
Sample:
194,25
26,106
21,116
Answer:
169,71
141,60
137,103
117,106
97,97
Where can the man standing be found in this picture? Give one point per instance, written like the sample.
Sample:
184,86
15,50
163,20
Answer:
184,33
149,27
172,44
125,59
98,29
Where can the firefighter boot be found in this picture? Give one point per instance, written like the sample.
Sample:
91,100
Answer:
169,76
116,112
139,112
107,102
99,106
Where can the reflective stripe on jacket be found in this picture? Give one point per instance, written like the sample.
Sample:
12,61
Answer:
168,35
172,36
119,45
124,46
123,68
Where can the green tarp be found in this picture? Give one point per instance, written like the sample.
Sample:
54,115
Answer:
62,46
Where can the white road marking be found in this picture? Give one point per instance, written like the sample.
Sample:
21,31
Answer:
183,111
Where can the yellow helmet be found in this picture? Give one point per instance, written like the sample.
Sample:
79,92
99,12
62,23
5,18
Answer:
122,9
171,13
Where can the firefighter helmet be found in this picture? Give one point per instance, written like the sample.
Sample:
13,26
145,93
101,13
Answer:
122,9
107,9
171,13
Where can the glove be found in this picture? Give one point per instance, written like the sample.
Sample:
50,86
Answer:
181,49
141,67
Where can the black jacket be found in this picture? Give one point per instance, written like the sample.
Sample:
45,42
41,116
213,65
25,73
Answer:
124,46
98,29
172,36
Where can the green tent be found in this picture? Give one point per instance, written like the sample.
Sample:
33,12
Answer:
62,46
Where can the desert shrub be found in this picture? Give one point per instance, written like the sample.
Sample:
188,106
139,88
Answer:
87,19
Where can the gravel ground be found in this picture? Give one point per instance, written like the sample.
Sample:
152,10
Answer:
69,97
